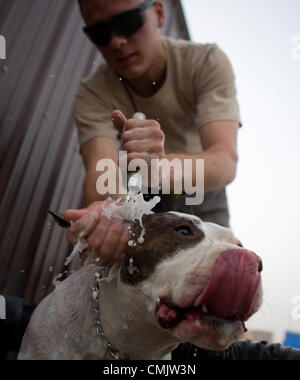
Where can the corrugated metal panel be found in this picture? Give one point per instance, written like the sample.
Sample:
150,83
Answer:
40,167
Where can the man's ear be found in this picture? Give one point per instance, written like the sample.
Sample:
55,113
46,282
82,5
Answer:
160,11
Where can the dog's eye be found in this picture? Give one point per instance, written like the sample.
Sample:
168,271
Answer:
184,230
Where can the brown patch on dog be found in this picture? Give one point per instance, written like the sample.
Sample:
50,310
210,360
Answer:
166,234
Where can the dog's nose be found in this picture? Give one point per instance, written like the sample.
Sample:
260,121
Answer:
260,266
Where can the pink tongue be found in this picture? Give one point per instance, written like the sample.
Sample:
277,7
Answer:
233,285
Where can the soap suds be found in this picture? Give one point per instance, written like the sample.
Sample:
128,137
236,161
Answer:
79,247
133,209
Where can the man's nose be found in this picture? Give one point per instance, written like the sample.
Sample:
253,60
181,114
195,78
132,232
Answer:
117,40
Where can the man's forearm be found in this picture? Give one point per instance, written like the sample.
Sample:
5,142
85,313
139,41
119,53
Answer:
219,168
90,189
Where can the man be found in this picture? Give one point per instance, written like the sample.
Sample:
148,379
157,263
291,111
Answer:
188,95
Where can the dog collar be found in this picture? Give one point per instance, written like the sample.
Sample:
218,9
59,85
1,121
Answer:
97,314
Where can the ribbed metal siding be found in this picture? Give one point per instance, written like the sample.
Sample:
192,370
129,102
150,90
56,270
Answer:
40,167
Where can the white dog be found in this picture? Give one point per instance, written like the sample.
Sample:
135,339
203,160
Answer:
188,282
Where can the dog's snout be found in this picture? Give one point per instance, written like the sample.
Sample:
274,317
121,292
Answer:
260,266
239,270
252,256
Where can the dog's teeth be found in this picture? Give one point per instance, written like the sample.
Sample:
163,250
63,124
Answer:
204,308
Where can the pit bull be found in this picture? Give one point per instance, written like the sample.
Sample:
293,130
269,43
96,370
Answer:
189,281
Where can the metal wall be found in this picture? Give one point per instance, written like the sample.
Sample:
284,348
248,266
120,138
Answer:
40,167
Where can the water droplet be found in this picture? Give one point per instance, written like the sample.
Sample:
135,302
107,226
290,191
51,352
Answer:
131,267
10,118
95,296
51,269
22,271
120,79
154,83
131,243
125,327
55,281
5,69
51,76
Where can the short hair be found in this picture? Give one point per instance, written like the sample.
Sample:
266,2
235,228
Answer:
80,3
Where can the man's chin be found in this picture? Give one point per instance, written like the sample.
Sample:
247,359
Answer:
131,72
130,75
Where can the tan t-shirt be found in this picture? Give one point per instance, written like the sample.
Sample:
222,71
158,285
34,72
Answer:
199,88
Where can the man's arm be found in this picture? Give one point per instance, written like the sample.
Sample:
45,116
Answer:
145,140
219,142
108,238
241,350
93,151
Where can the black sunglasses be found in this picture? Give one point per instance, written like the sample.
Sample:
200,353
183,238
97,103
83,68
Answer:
123,24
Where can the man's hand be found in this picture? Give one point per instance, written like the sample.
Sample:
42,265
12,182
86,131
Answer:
108,238
143,139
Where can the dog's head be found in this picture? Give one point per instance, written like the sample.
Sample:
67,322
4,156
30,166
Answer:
199,283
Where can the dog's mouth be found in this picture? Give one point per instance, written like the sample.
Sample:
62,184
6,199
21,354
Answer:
170,316
229,298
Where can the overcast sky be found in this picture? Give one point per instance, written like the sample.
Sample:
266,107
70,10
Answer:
260,39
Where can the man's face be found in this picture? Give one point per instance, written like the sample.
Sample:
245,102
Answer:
133,56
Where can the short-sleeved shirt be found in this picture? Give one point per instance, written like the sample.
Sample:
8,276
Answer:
199,88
